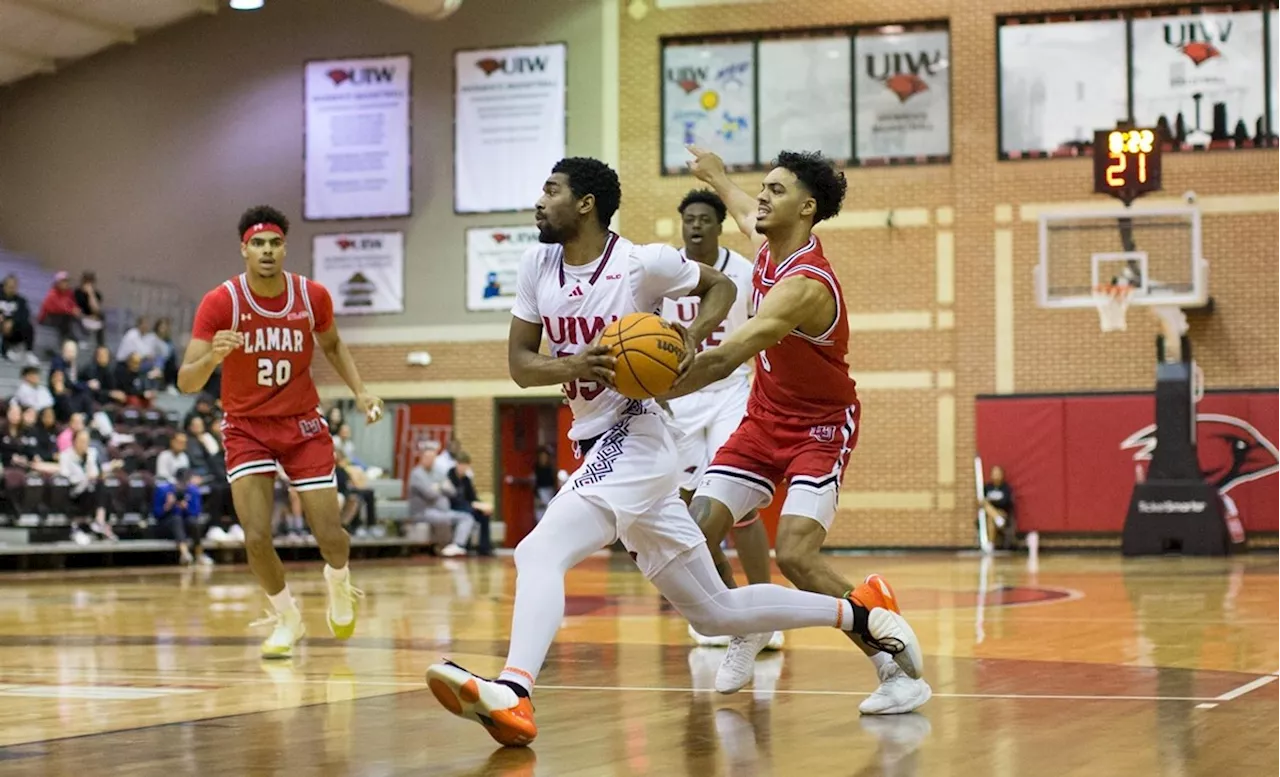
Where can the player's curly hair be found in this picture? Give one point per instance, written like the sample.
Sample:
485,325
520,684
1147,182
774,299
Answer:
706,197
591,176
819,175
262,214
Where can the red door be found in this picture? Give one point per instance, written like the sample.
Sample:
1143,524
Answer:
518,431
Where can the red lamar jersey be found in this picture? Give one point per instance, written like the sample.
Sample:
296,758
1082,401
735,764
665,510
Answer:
271,374
802,378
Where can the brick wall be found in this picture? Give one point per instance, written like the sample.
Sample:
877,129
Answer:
910,481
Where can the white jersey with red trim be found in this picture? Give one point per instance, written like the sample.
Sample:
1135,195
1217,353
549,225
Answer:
574,304
802,378
738,269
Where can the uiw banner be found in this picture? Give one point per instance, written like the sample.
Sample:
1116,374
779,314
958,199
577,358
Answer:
493,257
902,94
509,125
363,271
357,138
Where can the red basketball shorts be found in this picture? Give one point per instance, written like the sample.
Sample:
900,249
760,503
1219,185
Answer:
765,451
300,444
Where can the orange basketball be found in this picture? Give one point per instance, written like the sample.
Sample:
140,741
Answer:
649,351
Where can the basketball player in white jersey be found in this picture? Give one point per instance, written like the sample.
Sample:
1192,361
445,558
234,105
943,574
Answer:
582,278
709,416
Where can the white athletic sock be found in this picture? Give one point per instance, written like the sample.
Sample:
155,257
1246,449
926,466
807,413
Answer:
335,575
341,608
282,601
880,660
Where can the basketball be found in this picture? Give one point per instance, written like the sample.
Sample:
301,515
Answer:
649,351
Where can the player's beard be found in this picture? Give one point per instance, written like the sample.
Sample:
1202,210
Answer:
552,235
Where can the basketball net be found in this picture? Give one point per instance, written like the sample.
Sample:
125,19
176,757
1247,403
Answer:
1112,302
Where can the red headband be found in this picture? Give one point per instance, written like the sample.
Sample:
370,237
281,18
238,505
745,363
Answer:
264,226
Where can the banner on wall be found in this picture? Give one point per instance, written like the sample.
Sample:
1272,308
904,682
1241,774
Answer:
1059,83
363,271
806,96
357,126
708,99
509,125
902,95
493,257
1202,76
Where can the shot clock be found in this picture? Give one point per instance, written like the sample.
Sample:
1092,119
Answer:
1126,162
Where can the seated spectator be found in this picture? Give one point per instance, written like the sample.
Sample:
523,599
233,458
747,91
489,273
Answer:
75,424
462,478
202,409
336,418
998,502
59,309
68,361
131,380
166,358
429,494
16,331
177,512
175,458
79,465
46,435
68,401
100,378
30,440
30,392
208,463
342,441
137,339
89,300
353,491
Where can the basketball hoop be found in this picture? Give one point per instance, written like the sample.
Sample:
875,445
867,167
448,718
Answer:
1112,302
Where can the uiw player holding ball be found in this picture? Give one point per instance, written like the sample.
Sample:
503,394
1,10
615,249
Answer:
262,326
571,288
803,417
708,417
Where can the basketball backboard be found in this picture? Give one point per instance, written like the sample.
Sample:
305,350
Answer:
1155,250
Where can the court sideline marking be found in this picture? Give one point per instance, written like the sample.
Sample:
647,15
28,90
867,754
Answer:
1236,693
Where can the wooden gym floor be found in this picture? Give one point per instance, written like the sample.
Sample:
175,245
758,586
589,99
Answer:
1089,665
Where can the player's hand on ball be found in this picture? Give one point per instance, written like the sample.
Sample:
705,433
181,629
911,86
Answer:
706,166
224,342
690,347
371,406
596,362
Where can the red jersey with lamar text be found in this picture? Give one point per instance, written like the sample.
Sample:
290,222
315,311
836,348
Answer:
271,374
802,378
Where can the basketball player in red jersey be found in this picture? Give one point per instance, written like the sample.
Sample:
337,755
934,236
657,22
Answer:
803,413
262,326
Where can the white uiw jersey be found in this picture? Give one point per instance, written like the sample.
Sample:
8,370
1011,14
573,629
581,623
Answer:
573,305
737,269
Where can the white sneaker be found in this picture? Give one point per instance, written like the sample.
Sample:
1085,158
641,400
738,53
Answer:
776,641
452,551
204,560
215,535
703,640
342,603
739,663
897,694
235,534
289,630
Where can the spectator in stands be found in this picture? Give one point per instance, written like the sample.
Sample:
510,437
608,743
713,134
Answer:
134,382
75,424
353,487
16,330
89,300
446,459
429,493
342,439
336,418
79,465
465,499
208,463
67,360
59,309
67,401
46,435
166,361
997,499
173,459
177,512
202,409
36,461
137,339
30,392
100,377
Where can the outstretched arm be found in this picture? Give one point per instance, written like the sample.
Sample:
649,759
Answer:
786,307
709,168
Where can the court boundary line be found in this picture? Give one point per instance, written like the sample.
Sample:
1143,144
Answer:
1236,693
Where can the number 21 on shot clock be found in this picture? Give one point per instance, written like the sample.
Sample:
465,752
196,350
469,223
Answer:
1126,162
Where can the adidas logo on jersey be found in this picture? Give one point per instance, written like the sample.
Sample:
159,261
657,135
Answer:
577,292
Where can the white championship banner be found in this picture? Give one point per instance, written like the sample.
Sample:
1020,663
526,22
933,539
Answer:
357,138
902,95
363,271
493,257
509,125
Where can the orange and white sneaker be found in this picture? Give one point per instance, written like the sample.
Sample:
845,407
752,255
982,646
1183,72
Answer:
880,624
507,716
